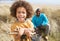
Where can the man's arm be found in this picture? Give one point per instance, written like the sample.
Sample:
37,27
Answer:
45,20
33,21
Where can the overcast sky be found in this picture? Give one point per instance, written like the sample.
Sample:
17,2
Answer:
51,2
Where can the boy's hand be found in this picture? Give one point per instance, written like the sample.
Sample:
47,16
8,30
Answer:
17,36
17,29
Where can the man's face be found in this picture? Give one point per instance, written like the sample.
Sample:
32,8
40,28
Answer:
38,13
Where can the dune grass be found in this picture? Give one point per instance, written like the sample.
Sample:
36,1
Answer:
6,21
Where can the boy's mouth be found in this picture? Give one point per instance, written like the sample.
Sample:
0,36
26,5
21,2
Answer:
21,17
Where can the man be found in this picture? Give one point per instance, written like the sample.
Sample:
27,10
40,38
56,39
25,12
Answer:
41,22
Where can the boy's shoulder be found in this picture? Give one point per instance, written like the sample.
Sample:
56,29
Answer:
14,24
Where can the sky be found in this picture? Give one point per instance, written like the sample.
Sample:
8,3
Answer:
51,2
47,2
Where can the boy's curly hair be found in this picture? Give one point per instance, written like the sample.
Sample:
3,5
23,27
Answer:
24,4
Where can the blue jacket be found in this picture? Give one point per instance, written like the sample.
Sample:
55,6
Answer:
41,20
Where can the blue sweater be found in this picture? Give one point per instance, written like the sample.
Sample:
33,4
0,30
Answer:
41,20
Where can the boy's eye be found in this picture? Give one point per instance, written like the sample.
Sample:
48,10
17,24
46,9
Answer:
19,12
23,12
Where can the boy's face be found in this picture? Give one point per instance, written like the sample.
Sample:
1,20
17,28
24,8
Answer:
21,14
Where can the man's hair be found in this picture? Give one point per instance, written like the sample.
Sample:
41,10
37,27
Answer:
37,10
24,4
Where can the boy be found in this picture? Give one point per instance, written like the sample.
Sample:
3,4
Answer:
22,10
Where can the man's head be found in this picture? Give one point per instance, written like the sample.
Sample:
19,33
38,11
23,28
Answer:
38,12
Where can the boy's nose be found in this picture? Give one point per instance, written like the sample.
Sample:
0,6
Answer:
21,13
